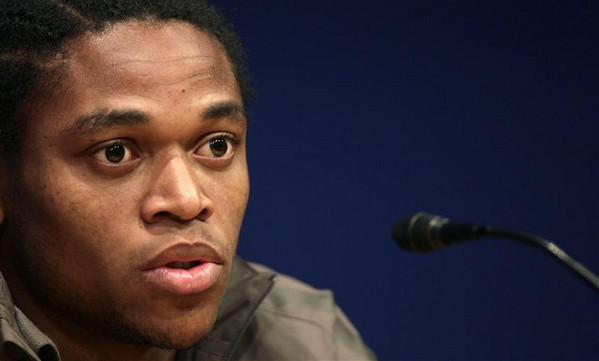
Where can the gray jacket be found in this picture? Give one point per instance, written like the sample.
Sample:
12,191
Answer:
263,317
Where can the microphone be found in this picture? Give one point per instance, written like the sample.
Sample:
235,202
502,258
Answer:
423,232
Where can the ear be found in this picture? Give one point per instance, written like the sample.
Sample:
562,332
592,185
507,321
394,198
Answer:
2,212
3,187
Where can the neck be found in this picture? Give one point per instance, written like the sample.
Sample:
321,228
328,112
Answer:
74,341
98,350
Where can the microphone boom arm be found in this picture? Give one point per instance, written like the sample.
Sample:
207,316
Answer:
547,245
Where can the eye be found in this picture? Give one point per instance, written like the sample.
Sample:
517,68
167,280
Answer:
221,146
114,154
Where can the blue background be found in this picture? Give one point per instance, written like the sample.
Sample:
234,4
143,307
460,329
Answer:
482,111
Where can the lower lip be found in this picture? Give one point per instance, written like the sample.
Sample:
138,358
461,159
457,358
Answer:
185,282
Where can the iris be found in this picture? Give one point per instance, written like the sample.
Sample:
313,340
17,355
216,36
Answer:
115,153
219,147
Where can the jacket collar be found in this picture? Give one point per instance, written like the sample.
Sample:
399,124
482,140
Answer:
18,336
247,288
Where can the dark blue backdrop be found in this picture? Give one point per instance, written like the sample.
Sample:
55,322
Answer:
483,111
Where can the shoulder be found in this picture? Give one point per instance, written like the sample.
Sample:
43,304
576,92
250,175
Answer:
297,321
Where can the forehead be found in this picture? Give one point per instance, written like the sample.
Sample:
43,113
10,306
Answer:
154,67
137,55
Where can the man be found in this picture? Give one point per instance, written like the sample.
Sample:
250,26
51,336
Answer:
123,192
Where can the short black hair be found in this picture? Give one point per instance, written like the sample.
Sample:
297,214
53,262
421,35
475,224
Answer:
34,32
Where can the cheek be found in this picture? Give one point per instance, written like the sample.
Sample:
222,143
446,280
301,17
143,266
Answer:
230,194
74,223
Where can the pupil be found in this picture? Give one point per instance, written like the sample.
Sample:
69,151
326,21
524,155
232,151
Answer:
115,153
219,147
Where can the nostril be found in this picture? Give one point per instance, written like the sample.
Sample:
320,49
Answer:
162,215
205,214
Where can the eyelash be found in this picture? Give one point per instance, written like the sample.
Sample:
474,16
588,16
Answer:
227,136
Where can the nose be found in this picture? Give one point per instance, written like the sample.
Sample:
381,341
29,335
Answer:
175,193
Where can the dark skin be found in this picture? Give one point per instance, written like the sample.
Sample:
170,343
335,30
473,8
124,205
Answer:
141,147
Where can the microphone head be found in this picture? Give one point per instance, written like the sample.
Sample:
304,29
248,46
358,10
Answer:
419,232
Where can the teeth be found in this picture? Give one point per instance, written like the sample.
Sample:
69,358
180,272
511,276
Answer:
183,265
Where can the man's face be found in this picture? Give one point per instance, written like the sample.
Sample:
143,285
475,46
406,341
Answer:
124,214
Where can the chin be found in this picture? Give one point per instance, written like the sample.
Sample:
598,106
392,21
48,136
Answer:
176,340
168,336
174,324
184,331
164,327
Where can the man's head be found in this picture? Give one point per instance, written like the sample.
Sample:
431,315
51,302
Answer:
35,35
127,188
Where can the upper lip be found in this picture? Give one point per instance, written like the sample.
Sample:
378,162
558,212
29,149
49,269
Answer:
185,252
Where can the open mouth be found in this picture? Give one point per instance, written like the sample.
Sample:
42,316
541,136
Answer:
183,265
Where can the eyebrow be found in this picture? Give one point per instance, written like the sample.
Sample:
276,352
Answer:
230,110
102,119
